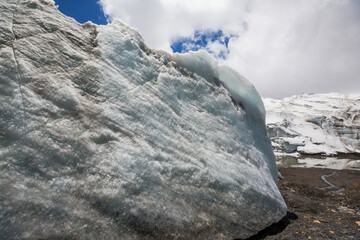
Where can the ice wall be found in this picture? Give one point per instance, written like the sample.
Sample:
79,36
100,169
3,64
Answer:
102,137
326,124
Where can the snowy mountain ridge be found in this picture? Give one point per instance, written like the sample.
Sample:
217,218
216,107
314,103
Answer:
102,137
327,124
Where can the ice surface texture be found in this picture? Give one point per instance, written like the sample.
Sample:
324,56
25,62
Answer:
326,124
102,137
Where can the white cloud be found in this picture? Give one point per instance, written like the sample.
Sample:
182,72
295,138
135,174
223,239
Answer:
217,48
284,47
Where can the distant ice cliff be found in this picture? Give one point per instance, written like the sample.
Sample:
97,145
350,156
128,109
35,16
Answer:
327,124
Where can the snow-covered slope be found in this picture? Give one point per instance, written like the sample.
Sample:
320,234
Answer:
102,137
326,124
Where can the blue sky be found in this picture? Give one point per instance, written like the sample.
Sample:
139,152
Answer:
201,40
283,47
82,10
90,10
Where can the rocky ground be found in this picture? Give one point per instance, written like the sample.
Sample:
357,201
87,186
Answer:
322,204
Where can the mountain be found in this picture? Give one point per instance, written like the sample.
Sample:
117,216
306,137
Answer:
102,137
326,124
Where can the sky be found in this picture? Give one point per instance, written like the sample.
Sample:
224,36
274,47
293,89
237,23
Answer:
283,47
82,10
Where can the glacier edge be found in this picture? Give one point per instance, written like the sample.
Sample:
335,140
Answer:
123,140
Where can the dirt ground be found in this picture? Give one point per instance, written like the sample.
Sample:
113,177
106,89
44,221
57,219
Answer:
322,204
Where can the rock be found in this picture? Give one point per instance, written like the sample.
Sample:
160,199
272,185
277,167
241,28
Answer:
346,210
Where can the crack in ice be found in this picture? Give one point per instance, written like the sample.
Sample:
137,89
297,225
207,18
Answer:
19,76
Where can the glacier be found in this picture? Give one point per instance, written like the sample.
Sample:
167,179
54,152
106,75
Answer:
102,137
314,124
